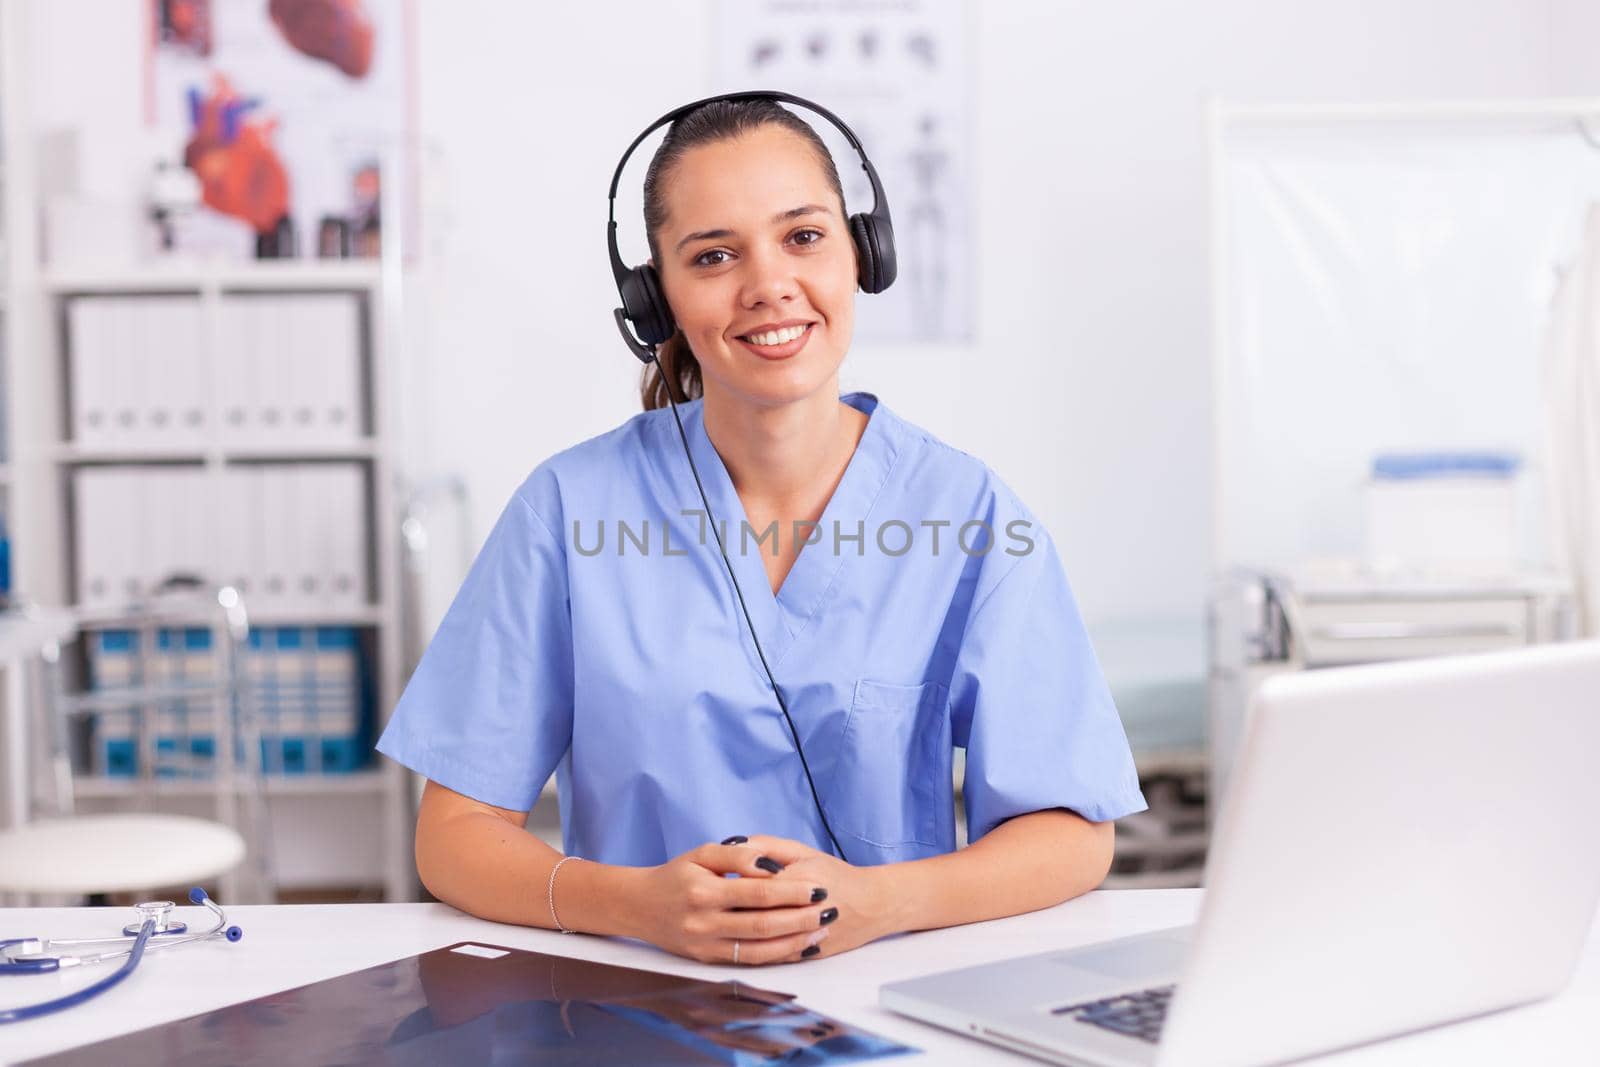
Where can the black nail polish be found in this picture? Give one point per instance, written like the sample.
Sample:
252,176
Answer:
771,866
818,895
809,951
829,915
736,839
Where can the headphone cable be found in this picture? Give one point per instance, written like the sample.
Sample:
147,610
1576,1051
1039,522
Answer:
784,707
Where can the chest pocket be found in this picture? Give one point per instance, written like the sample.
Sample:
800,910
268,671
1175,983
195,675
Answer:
892,784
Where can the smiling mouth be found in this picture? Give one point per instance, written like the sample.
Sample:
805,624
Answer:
776,337
778,344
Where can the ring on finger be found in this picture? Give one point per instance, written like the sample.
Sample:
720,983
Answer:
736,952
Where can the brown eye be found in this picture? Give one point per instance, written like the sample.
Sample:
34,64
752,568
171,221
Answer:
701,261
816,235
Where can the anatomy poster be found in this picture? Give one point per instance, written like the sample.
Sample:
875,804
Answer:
285,110
897,72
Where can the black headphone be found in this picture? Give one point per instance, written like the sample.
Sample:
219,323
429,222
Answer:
644,303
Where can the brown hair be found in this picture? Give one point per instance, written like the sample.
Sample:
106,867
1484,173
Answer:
722,120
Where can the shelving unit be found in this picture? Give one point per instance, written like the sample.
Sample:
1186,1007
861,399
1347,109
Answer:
371,781
260,275
324,826
69,453
17,259
17,246
332,830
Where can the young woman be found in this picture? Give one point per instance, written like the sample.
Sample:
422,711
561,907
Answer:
906,603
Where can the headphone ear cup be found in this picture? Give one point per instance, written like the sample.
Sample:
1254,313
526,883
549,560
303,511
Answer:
866,254
646,305
874,239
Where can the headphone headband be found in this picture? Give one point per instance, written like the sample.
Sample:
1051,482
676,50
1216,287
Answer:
754,94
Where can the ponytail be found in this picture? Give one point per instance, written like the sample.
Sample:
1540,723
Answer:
679,367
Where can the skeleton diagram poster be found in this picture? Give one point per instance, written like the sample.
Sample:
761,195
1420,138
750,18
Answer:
897,72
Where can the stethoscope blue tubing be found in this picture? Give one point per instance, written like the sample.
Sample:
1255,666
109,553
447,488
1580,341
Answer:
135,952
71,1000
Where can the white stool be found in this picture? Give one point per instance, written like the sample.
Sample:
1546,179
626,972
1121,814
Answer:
64,853
116,853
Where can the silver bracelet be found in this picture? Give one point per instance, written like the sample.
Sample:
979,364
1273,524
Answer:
551,894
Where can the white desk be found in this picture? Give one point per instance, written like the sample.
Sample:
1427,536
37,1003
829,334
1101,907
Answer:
288,946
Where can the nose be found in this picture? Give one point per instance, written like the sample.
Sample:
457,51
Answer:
769,279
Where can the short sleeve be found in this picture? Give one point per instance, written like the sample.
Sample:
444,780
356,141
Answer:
1029,704
488,711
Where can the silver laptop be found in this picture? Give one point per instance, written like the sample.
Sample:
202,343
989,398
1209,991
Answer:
1403,845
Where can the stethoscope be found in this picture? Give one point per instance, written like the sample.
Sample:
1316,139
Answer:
32,955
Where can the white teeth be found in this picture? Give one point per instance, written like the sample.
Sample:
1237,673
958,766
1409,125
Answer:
776,337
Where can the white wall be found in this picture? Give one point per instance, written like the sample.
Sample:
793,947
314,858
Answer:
1087,387
1575,35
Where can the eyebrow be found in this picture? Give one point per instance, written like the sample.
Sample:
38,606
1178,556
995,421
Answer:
782,216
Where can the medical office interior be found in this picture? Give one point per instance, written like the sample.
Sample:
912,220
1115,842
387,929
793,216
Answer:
1281,317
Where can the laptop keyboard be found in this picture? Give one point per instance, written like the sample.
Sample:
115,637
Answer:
1134,1014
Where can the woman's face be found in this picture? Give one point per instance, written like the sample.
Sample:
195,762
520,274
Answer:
758,266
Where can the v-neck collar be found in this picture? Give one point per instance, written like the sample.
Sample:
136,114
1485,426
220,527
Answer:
780,618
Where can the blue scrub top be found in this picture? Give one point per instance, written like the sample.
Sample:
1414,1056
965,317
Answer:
597,635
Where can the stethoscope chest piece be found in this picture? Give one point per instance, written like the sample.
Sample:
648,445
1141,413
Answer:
161,912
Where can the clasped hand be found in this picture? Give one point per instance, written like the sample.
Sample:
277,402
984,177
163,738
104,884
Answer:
789,903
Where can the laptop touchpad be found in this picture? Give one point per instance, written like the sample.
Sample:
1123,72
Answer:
1134,959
